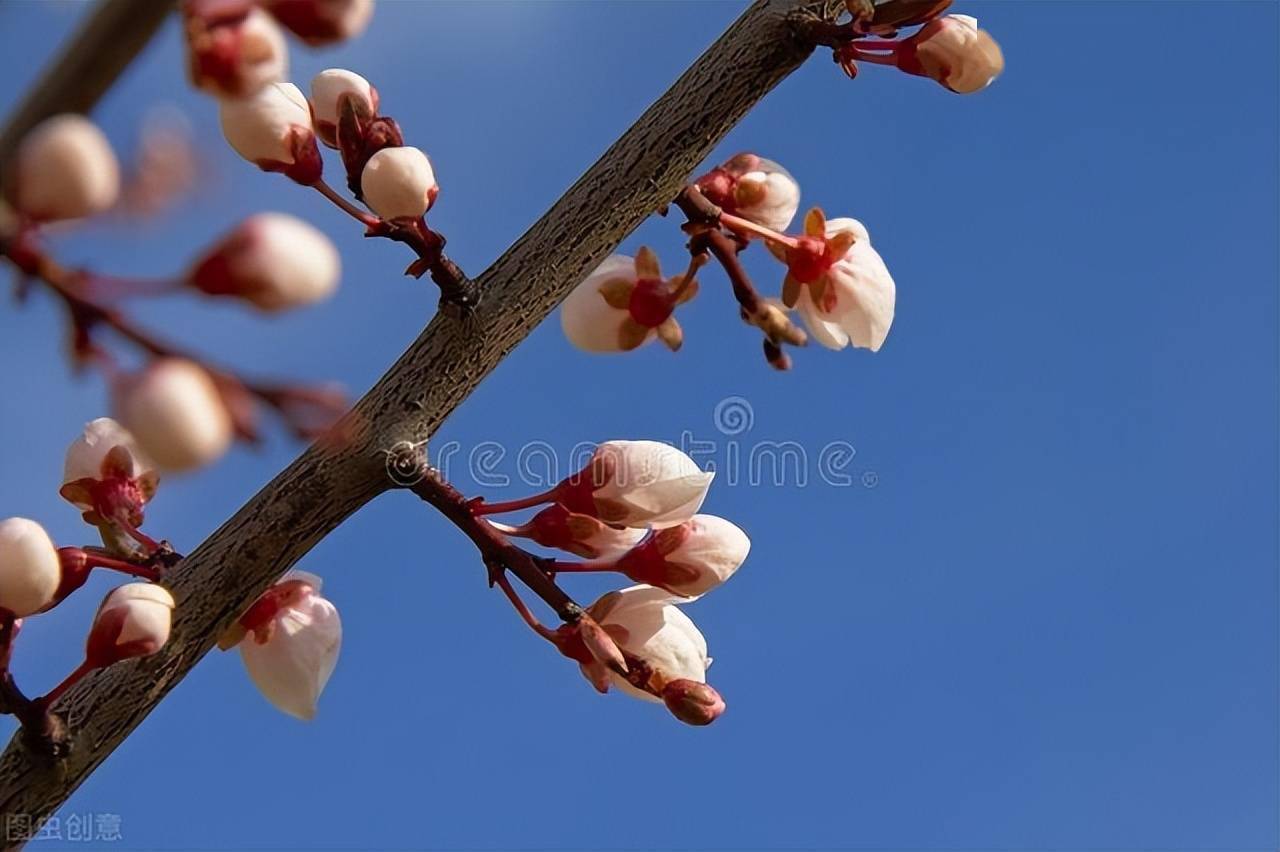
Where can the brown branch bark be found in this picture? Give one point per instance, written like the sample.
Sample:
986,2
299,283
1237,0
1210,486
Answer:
642,171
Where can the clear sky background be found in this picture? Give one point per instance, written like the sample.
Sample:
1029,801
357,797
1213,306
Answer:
1043,615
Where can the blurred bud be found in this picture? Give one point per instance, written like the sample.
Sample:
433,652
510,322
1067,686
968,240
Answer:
271,260
174,410
624,304
398,183
30,571
636,484
754,188
693,703
321,22
289,642
133,621
327,88
234,54
690,559
65,169
953,51
272,129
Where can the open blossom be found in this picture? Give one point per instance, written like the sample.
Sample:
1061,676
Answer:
272,260
398,183
65,169
272,129
624,304
953,51
176,413
643,622
636,484
839,283
754,188
327,88
690,559
321,22
234,54
133,621
30,571
105,471
590,538
289,641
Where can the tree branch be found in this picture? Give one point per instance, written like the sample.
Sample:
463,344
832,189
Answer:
642,171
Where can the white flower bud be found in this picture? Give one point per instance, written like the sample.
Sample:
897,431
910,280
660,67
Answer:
272,260
291,651
321,22
690,559
330,85
86,459
643,622
272,129
30,571
863,295
237,55
174,410
588,320
133,621
65,169
638,484
953,51
754,188
398,183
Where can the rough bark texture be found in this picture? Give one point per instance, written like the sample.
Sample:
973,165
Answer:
643,170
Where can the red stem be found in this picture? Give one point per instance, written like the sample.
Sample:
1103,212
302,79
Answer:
71,680
501,508
146,572
367,219
529,618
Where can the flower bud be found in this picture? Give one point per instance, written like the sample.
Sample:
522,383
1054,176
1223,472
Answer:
624,304
636,484
398,183
754,188
321,22
599,644
106,472
690,559
693,703
65,169
236,54
330,85
290,642
272,129
271,260
555,526
133,621
30,571
953,51
174,410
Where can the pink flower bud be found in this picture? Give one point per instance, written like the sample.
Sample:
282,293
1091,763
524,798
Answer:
105,471
291,644
637,484
174,410
398,183
321,22
690,559
953,51
693,703
624,304
330,85
754,188
133,621
555,526
65,169
272,260
235,54
645,624
272,129
30,571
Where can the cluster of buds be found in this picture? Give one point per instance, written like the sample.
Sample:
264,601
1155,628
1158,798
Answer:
110,481
235,47
183,412
633,510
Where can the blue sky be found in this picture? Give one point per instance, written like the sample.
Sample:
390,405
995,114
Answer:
1042,616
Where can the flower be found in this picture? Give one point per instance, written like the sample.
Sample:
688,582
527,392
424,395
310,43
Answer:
272,260
636,484
838,283
555,526
174,410
289,642
30,571
645,624
398,183
690,559
272,129
234,54
953,51
65,169
624,304
133,621
321,22
754,188
105,471
327,88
